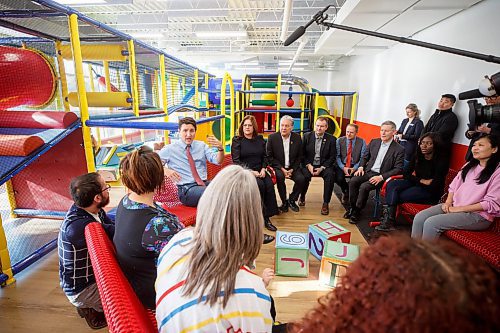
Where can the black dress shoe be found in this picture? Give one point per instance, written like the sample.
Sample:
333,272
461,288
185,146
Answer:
269,226
268,239
348,213
94,319
302,202
284,207
354,216
293,206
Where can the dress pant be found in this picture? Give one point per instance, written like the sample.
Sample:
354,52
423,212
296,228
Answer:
268,196
359,189
299,182
340,179
328,176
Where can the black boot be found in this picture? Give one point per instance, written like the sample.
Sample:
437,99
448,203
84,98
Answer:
388,218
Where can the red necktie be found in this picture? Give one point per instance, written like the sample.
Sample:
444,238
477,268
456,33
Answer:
349,153
192,166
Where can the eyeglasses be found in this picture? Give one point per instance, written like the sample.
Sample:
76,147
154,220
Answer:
106,189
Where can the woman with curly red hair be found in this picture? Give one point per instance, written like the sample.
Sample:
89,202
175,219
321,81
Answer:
403,285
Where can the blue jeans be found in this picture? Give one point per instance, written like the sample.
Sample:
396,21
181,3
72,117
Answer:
190,194
402,190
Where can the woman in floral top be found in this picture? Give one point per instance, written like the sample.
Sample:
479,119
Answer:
142,227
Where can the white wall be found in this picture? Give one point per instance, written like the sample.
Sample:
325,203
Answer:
404,74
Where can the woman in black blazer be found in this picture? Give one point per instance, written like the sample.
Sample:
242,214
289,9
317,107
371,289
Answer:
248,149
409,131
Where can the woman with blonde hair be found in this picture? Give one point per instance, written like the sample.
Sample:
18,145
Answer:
409,131
204,282
142,227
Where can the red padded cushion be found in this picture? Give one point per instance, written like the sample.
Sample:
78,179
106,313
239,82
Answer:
485,244
37,119
412,208
19,145
213,169
168,197
185,214
123,310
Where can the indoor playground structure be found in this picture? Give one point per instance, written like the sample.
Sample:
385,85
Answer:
78,99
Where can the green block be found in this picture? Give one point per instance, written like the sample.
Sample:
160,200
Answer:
292,254
340,252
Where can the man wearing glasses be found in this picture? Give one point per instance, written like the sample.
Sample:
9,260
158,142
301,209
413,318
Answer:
90,194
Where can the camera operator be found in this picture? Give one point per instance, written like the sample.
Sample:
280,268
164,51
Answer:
488,128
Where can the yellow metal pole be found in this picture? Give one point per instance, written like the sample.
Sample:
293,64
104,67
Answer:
196,99
302,99
163,82
227,79
354,106
99,140
11,197
133,77
278,103
82,94
4,256
316,109
62,76
342,111
206,87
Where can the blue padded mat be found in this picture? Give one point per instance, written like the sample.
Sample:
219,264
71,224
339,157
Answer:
10,165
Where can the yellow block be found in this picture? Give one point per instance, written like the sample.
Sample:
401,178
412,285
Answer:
103,52
102,99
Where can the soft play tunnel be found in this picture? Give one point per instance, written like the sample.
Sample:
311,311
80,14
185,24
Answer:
16,88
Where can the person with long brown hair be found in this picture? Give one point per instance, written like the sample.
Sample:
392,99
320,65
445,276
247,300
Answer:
248,149
403,285
204,280
143,228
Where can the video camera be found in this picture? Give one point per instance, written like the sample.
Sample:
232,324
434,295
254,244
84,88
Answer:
479,114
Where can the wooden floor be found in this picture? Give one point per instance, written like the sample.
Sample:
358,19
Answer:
36,303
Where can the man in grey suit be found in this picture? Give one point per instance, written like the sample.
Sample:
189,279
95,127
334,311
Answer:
350,149
383,158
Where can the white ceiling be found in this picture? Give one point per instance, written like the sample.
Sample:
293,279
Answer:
174,25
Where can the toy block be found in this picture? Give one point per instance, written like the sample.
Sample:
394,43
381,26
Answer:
319,233
292,254
336,257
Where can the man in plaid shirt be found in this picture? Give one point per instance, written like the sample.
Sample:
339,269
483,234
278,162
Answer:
90,194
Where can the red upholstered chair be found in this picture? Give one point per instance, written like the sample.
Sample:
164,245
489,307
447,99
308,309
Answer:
409,210
213,169
168,197
485,244
123,310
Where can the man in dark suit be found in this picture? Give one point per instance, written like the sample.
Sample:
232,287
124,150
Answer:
350,148
383,158
284,151
444,122
319,159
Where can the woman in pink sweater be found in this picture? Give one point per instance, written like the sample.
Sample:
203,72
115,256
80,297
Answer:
473,198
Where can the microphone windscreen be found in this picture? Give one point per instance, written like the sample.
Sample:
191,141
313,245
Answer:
470,94
295,35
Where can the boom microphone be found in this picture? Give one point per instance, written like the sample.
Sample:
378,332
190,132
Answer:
296,35
470,94
302,29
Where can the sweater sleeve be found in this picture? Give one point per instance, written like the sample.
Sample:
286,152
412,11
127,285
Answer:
491,201
456,182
